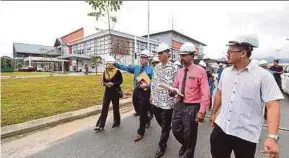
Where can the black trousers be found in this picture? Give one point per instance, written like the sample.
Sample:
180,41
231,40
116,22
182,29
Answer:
184,126
164,119
135,97
109,95
222,145
142,105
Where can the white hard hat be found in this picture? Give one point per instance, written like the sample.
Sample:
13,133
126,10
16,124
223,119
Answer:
202,63
145,53
110,60
178,63
248,39
205,57
263,62
187,48
162,47
156,59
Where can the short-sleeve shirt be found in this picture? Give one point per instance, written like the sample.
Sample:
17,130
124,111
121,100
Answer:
244,94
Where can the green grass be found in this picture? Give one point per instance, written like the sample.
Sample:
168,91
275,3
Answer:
34,98
24,73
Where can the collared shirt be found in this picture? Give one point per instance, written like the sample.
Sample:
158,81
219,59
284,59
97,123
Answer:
277,68
163,74
196,86
136,70
244,94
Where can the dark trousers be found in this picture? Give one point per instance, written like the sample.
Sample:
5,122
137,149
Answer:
164,119
142,105
108,97
184,126
135,97
222,145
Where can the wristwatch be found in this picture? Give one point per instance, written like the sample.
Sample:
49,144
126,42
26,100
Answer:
275,137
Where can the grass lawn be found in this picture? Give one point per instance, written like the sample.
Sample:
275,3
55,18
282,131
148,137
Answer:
34,98
24,73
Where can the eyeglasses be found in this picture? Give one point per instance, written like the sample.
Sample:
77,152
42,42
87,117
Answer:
233,51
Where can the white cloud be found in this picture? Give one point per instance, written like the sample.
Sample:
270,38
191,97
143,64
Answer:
210,22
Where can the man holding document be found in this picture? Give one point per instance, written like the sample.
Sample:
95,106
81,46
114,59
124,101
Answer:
191,81
164,73
141,95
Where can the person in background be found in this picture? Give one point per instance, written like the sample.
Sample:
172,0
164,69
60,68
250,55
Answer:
155,61
210,81
112,79
192,82
219,71
243,91
277,70
164,73
178,63
142,90
86,69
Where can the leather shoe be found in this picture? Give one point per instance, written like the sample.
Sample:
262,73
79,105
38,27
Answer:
182,151
115,125
137,137
159,153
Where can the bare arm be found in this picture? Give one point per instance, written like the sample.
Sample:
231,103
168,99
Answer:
216,106
217,101
273,116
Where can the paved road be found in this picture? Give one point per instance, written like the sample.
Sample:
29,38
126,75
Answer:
119,143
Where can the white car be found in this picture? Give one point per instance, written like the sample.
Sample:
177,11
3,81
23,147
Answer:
285,79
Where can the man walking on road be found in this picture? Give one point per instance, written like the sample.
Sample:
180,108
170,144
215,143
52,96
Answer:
277,70
242,92
141,94
164,72
192,82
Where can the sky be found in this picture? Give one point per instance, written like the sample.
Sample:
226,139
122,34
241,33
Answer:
213,23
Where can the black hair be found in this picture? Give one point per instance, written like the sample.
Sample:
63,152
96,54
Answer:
248,48
277,61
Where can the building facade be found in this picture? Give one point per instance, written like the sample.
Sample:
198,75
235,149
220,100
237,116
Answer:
73,51
175,40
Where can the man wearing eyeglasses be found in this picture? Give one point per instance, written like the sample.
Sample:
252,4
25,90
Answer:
243,90
164,73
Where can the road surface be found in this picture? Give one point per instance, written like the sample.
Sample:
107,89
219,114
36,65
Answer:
77,139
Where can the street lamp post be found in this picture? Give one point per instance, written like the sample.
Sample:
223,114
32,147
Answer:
277,52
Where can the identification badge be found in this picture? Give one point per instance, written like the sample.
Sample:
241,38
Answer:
192,78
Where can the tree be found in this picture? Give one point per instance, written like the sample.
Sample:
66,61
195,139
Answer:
96,61
102,9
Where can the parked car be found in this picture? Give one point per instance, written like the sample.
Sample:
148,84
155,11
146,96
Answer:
285,79
40,69
28,69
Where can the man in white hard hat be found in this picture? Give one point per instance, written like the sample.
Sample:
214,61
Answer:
178,63
112,79
155,61
242,92
164,73
141,94
192,82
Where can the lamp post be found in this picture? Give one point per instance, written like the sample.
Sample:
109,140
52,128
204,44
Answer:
277,52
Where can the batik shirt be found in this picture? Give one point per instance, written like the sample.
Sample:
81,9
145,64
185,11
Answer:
163,74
